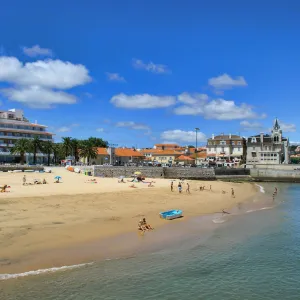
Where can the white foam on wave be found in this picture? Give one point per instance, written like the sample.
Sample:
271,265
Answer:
261,188
218,221
263,208
42,271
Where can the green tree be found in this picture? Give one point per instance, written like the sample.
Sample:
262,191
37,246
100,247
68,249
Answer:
35,147
20,148
67,146
48,149
97,142
88,150
57,152
75,148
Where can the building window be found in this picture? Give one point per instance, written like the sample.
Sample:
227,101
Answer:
233,143
253,148
223,150
222,143
253,140
239,143
239,148
254,154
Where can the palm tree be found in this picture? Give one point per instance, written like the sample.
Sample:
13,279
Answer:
88,151
57,152
36,146
75,149
20,148
67,146
48,149
98,142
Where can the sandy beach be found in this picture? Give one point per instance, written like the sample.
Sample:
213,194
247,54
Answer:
38,218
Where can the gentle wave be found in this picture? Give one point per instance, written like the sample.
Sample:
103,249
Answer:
263,208
261,188
218,221
42,271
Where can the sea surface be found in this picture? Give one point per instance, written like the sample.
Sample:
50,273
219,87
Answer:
252,255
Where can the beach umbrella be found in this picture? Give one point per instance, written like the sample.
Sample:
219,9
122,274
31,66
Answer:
137,173
57,177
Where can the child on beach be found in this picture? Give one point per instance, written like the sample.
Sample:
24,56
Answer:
172,186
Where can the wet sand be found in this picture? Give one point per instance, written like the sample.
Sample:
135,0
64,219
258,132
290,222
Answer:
71,222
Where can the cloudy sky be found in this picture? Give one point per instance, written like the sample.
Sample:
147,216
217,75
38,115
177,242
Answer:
142,72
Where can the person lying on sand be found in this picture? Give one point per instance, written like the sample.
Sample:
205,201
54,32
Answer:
3,189
225,212
56,181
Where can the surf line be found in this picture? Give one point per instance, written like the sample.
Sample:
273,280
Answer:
42,271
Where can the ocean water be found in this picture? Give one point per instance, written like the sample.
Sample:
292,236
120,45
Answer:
254,255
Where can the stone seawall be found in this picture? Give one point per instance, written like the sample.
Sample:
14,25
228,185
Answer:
190,173
20,167
275,175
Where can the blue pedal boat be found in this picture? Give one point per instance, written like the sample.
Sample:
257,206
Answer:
171,214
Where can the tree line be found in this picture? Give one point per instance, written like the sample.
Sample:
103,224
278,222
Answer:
58,151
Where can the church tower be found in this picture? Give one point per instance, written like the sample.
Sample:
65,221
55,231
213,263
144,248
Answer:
276,132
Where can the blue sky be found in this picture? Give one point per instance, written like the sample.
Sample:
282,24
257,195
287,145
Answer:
143,72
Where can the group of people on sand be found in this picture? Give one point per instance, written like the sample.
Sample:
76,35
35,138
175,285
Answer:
144,226
35,181
180,184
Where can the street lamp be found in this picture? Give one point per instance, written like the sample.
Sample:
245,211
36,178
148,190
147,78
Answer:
196,129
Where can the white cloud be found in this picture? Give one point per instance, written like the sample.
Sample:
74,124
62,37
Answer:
36,50
38,97
246,125
151,67
100,129
178,135
287,127
38,84
295,143
132,125
46,73
67,128
142,101
219,109
225,81
115,77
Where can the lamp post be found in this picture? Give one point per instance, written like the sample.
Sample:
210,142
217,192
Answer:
196,129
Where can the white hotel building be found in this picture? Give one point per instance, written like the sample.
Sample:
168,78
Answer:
14,126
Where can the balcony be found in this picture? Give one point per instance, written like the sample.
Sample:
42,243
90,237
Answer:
11,137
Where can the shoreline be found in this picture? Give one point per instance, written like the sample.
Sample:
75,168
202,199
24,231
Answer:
53,231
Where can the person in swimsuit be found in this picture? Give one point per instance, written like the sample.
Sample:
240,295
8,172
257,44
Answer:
179,187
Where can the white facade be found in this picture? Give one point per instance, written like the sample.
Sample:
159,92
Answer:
268,149
230,147
14,126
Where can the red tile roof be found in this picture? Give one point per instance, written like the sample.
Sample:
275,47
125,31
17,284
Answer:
102,151
184,157
128,152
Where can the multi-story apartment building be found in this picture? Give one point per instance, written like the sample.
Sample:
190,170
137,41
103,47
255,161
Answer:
226,148
14,126
268,149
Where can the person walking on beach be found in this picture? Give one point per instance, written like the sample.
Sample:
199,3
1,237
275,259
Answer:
187,188
172,185
232,193
24,180
179,187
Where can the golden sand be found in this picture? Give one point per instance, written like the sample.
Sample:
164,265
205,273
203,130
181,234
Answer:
36,218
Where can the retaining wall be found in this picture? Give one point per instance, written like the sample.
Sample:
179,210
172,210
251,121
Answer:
190,173
20,167
275,175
